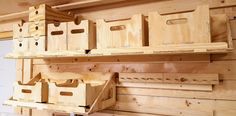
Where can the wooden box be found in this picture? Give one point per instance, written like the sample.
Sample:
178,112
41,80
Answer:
20,30
37,44
182,28
57,37
20,37
121,34
38,28
81,36
37,92
83,94
45,12
21,45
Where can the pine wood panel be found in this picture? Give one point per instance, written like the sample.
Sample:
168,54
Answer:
147,100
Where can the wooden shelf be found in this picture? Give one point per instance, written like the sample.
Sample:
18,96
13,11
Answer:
45,106
206,48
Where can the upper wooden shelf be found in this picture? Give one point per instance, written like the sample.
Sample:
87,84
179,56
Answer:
166,35
206,48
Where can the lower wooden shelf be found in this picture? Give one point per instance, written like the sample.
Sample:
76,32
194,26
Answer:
85,98
45,106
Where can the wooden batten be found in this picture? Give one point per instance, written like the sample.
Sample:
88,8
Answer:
174,78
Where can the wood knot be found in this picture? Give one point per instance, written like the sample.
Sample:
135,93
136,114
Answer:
187,103
183,79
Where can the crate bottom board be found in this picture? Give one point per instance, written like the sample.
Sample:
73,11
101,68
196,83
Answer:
45,106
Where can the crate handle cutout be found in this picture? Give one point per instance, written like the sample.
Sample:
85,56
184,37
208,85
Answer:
57,32
62,93
74,31
26,91
117,28
36,43
20,44
176,21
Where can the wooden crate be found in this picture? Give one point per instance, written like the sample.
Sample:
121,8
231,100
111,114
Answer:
20,45
57,37
33,91
82,94
182,28
121,34
20,37
96,91
37,44
81,36
45,12
38,28
80,89
20,30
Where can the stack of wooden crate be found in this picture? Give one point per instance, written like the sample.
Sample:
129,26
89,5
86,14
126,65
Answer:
32,36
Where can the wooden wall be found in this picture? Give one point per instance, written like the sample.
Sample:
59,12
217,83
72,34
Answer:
145,99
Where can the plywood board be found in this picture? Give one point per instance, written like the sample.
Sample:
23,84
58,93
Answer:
121,34
57,37
81,36
182,28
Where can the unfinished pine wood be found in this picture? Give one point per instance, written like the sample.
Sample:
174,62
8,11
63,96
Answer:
82,92
20,45
222,57
220,101
194,48
81,95
223,91
45,12
37,44
38,28
57,37
121,34
81,36
182,28
106,97
20,30
182,106
233,25
27,71
33,91
219,29
190,87
177,78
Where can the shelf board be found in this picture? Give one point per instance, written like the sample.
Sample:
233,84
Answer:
45,106
200,48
